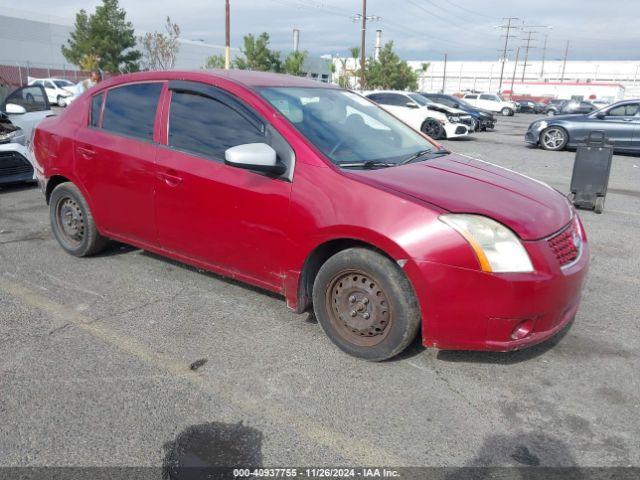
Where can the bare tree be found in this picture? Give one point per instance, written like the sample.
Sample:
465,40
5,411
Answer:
161,49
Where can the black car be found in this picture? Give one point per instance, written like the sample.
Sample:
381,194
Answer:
529,106
484,118
566,107
620,123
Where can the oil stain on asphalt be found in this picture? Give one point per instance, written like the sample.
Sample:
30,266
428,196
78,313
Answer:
206,446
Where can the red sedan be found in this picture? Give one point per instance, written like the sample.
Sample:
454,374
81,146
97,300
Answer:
315,193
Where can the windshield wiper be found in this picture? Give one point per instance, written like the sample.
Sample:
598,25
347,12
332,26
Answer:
416,156
367,164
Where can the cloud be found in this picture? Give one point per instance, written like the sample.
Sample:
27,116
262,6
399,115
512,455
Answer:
420,29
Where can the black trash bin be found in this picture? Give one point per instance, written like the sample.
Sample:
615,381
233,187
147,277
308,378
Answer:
591,170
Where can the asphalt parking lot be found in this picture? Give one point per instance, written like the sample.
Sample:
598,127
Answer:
97,364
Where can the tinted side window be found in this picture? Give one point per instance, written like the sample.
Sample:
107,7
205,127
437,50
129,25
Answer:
628,110
96,106
471,97
487,97
131,110
32,98
204,126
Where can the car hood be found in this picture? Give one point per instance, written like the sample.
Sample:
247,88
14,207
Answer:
461,184
567,116
438,107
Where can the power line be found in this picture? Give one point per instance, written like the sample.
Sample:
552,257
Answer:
473,12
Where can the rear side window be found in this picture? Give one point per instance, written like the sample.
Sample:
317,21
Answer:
131,110
207,127
96,106
471,97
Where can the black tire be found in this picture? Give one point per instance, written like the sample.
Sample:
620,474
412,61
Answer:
72,222
507,112
434,129
553,138
551,113
374,288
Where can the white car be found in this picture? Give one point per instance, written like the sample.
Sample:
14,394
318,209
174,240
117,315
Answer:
60,92
20,112
437,121
492,102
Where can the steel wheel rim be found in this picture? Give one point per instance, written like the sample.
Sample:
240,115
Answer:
553,138
358,308
70,221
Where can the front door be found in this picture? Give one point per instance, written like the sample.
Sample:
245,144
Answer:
223,216
115,160
621,123
34,101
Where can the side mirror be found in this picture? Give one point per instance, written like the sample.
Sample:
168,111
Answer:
15,109
259,157
411,105
601,115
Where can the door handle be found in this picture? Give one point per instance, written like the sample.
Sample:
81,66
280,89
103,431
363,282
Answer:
171,180
86,152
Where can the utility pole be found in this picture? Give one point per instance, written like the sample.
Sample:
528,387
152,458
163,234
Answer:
227,35
363,38
544,55
515,67
508,35
526,53
444,74
564,62
363,43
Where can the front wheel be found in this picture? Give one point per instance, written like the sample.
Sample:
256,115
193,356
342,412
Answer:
507,112
62,102
553,138
434,129
551,113
365,304
72,222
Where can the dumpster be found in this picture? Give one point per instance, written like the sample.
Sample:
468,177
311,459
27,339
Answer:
591,170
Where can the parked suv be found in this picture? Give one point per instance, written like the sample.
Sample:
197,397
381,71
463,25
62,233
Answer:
491,102
437,121
319,195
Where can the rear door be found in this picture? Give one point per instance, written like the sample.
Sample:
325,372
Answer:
224,216
115,159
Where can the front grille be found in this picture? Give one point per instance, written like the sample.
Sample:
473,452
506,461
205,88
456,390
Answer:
12,163
566,245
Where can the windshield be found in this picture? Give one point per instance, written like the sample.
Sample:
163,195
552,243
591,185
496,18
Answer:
420,100
63,83
345,127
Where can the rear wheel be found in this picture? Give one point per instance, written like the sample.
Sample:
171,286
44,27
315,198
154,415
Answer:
62,102
506,112
365,304
434,129
551,113
72,222
553,138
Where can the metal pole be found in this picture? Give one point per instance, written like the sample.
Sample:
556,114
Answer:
376,54
362,44
296,39
504,51
444,74
564,63
526,55
460,78
490,77
544,54
515,67
227,35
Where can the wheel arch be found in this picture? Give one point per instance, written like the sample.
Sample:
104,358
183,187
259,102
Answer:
317,257
52,183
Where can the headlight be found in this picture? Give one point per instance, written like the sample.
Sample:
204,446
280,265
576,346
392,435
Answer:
539,125
498,249
11,136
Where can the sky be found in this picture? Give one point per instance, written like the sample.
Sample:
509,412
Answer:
420,29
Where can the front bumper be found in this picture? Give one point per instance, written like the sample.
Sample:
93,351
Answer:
15,164
531,137
464,309
456,130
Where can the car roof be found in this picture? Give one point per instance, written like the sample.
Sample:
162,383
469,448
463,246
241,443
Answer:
246,78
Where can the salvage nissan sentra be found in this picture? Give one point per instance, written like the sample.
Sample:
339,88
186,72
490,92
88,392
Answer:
315,193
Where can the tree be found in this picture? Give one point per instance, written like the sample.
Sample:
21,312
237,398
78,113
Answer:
390,72
215,61
160,50
294,63
105,35
257,55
